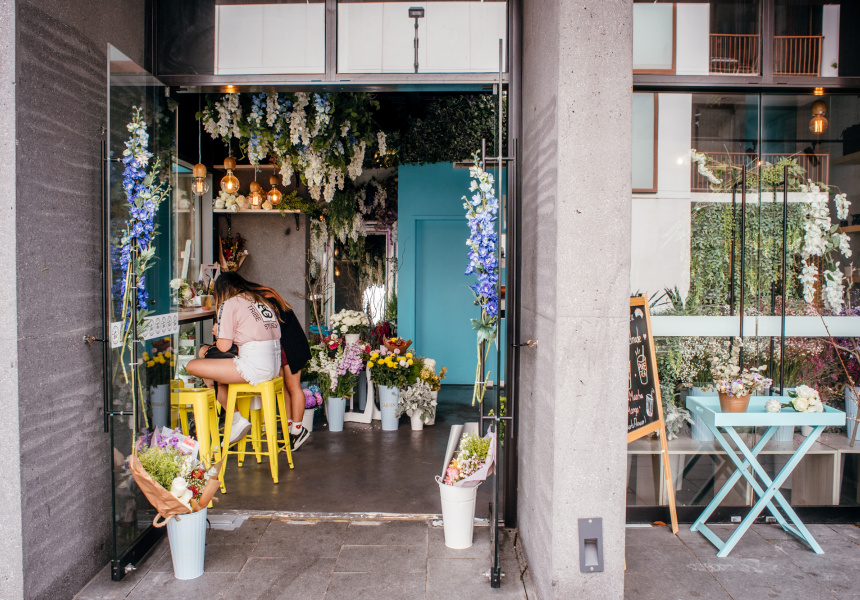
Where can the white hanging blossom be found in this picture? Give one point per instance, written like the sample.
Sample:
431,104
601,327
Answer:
819,241
272,109
344,129
701,160
380,140
299,133
842,206
286,171
832,293
355,165
319,237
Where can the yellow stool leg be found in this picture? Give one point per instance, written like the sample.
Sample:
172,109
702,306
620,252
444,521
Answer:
200,406
285,425
183,417
228,425
270,417
243,403
214,438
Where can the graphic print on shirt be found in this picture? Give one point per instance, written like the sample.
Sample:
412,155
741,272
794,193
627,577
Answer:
261,312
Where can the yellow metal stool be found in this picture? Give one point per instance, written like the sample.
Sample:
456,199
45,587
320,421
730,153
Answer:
256,419
202,403
272,394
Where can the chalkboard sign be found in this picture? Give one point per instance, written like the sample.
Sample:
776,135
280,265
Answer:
644,406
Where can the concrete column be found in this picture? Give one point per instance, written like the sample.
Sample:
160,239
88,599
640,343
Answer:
577,81
11,550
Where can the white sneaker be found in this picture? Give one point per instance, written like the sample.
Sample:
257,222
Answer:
256,403
240,429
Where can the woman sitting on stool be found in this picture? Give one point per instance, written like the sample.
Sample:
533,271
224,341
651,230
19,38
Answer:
248,325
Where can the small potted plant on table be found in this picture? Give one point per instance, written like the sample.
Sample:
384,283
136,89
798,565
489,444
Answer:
734,384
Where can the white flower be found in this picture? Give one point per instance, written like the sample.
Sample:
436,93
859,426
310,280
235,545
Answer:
800,404
844,244
773,406
403,363
833,292
808,277
815,405
175,284
380,140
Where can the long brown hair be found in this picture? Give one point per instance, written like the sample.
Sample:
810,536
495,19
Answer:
230,284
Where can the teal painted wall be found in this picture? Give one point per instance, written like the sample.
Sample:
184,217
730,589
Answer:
434,302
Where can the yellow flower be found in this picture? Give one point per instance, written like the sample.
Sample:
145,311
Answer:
146,356
408,355
160,359
150,363
370,365
167,354
172,363
374,356
409,361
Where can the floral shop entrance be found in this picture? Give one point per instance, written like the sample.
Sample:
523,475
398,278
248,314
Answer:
373,217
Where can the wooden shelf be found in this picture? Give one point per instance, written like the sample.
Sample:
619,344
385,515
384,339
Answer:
244,167
849,229
250,211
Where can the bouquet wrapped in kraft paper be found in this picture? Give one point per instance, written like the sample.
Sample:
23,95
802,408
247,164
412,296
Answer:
171,477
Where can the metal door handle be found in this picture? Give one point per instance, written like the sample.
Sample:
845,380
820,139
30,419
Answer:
527,344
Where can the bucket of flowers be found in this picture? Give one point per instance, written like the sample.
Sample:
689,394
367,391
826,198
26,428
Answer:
159,367
313,398
350,323
392,372
337,375
417,402
180,487
469,460
434,380
735,385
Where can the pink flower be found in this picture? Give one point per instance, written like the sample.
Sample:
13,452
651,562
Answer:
397,351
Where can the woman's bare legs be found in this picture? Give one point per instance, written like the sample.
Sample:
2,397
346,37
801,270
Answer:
293,383
222,370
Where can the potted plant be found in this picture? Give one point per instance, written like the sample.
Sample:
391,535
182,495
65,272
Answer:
392,372
313,398
349,323
417,402
735,385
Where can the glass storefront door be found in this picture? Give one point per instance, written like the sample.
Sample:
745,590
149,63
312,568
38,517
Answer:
130,396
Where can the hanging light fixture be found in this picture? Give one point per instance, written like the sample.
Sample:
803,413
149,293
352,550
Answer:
274,195
818,123
256,195
229,183
199,185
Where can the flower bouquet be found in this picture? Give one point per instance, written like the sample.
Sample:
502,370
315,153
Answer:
803,399
392,370
431,378
396,345
337,376
469,460
179,487
735,385
231,252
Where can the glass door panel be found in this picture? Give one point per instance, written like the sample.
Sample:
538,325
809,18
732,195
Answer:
130,408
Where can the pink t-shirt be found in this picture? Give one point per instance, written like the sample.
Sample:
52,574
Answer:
243,321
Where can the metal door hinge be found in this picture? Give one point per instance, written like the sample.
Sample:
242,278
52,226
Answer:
89,339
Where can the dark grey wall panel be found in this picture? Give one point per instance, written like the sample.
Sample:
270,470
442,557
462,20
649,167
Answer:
65,455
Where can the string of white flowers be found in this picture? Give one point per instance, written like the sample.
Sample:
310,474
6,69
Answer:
819,240
701,160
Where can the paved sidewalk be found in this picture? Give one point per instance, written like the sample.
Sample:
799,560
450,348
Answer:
277,558
766,563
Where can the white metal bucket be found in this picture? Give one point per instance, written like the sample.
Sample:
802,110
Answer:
308,419
187,535
458,514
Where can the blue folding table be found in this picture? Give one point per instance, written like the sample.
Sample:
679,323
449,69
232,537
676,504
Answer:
708,408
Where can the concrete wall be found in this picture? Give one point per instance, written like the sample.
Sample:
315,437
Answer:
11,550
576,273
64,452
275,259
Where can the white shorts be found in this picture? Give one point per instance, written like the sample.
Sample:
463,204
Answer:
259,361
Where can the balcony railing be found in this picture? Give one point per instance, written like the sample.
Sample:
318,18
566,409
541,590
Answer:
817,166
734,54
797,55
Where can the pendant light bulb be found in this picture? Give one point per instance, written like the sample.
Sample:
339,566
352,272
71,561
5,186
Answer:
274,195
818,123
199,186
229,183
256,195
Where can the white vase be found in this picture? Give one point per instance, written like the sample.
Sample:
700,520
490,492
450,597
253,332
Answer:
417,421
352,338
851,394
388,397
458,514
187,536
159,400
308,419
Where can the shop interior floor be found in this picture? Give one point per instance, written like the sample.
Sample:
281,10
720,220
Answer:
359,470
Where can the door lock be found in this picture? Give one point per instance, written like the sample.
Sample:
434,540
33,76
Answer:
89,339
